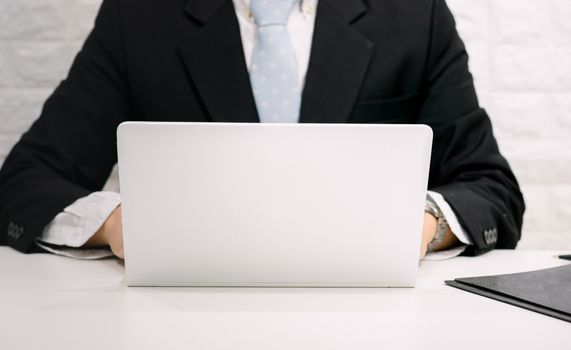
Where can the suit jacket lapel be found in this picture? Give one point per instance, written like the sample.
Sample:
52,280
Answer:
339,60
215,61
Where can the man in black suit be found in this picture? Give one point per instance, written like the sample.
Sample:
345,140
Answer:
371,61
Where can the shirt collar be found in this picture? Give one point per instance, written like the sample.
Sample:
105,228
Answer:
307,7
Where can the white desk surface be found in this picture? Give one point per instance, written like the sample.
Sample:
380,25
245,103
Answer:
50,302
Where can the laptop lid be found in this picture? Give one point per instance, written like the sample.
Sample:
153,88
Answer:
220,204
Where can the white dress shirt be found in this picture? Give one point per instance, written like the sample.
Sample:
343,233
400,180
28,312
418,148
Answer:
73,227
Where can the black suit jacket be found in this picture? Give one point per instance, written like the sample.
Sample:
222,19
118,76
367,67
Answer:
372,61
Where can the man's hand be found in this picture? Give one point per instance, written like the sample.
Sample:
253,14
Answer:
429,232
110,234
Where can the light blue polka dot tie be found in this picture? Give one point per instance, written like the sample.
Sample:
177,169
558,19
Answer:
273,73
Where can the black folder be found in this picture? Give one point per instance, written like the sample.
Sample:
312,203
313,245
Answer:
545,291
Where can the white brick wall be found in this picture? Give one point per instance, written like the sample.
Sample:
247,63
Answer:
519,51
38,40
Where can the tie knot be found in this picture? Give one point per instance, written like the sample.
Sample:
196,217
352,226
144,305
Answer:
271,12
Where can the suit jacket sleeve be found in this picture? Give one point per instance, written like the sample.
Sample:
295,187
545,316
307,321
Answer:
70,150
467,167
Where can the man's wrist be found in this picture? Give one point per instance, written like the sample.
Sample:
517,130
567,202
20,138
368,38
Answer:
441,230
110,225
101,237
98,239
430,228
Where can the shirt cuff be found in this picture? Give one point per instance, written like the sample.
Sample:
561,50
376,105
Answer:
77,253
445,254
77,223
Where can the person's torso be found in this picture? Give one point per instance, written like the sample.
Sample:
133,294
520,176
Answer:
185,61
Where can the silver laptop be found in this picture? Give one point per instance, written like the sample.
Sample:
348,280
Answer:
218,204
